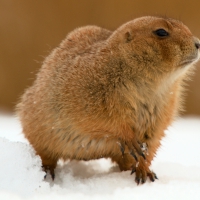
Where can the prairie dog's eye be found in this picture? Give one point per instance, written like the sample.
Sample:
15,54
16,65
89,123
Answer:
161,33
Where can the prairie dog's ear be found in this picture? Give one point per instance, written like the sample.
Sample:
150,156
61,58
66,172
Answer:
128,36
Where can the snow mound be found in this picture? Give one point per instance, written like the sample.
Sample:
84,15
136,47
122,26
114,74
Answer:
20,169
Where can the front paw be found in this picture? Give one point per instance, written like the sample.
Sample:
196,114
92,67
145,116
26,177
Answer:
142,173
134,148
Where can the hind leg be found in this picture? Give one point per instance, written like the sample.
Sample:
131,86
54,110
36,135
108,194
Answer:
125,161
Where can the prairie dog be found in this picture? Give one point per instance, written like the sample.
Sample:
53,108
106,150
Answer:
109,94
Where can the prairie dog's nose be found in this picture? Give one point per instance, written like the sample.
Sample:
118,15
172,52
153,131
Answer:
197,43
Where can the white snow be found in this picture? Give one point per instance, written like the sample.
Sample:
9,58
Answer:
177,165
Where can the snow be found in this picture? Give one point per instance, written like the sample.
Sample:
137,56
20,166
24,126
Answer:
177,165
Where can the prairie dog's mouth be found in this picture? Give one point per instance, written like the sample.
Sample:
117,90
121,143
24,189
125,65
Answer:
192,59
187,62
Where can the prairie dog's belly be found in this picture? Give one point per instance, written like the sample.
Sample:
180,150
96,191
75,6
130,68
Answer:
83,147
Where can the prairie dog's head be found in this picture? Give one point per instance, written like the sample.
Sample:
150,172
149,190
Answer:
156,43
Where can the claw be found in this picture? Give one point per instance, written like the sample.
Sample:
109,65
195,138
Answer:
144,180
155,176
122,150
138,148
152,176
46,168
122,147
52,175
143,156
133,171
137,180
152,179
134,156
131,150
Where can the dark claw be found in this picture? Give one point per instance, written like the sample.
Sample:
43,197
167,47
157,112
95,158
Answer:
53,176
137,180
122,150
151,177
133,171
134,156
131,150
155,176
137,147
46,168
143,156
122,147
144,180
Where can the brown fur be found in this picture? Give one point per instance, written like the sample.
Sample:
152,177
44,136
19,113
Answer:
100,90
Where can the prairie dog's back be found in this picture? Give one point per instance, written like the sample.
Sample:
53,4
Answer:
82,39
